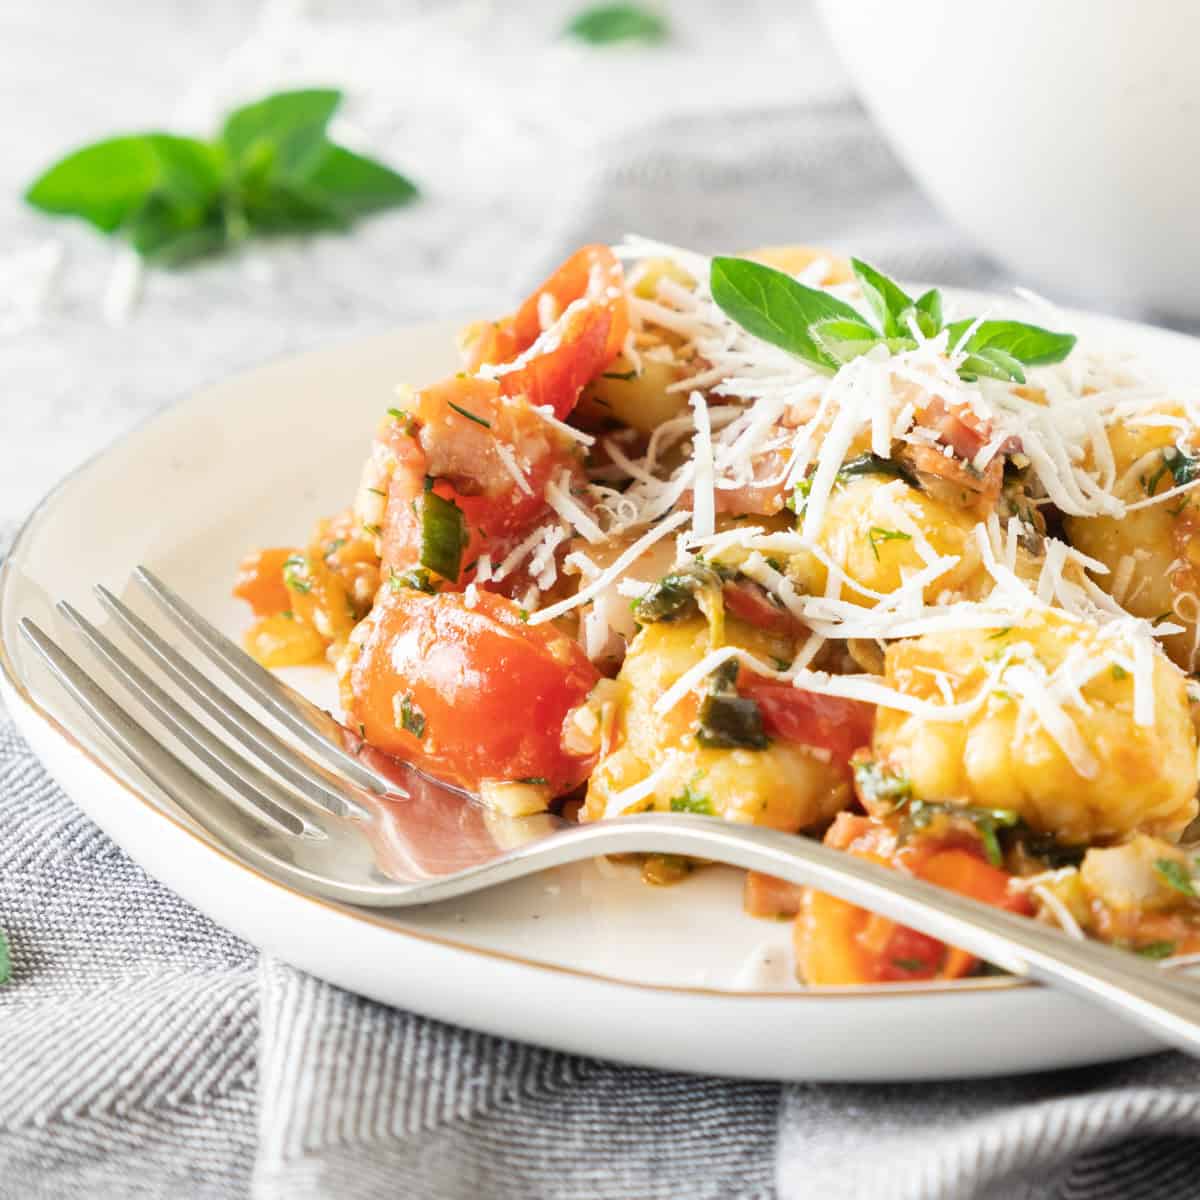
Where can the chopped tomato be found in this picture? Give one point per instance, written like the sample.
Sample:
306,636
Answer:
838,943
470,693
260,581
453,446
748,602
585,301
823,722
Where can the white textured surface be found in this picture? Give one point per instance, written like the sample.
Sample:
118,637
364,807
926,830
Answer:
500,121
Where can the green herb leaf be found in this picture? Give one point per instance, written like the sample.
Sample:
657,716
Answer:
466,412
412,719
609,23
774,307
1028,344
416,578
873,464
354,186
108,183
728,721
841,339
295,574
5,959
878,784
910,964
443,535
289,127
271,170
929,312
1155,949
535,780
877,535
674,595
1174,874
692,802
888,300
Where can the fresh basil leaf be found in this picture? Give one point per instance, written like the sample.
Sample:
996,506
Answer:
992,364
171,234
842,339
774,307
292,124
353,185
609,23
1028,344
929,305
985,364
108,183
282,207
888,300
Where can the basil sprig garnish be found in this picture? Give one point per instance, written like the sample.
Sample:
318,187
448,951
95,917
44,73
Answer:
827,332
271,169
607,24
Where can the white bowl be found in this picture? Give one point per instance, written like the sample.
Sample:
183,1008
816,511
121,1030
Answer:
1062,135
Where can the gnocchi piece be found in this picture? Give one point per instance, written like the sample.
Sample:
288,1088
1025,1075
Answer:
1098,776
876,529
634,397
785,785
1152,554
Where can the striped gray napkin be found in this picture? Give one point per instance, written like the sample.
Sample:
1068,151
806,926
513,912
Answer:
144,1052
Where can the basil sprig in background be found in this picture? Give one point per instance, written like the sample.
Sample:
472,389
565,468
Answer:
828,332
272,168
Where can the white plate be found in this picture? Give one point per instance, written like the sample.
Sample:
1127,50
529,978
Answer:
586,958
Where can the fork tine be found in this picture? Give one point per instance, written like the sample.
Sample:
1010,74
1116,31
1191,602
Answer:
301,716
322,789
146,753
239,773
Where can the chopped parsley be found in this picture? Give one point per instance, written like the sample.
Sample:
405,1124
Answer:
466,412
910,964
535,780
412,719
295,574
1174,874
689,801
1155,949
407,423
1180,466
416,578
986,820
877,535
1119,672
878,784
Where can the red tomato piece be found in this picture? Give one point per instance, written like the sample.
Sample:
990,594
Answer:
470,693
839,943
748,602
825,722
586,298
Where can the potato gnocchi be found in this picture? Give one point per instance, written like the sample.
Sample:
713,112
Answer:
772,539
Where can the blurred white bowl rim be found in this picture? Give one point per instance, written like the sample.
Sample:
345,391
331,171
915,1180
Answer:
1064,135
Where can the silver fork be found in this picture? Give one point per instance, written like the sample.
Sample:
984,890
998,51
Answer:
343,822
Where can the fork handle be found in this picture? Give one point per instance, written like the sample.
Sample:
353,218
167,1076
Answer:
1165,1004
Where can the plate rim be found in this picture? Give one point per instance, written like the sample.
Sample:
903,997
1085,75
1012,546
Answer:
10,676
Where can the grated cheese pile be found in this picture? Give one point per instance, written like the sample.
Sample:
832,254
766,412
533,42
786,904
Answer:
756,421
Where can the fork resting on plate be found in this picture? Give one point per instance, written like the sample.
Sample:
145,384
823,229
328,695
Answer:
348,824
